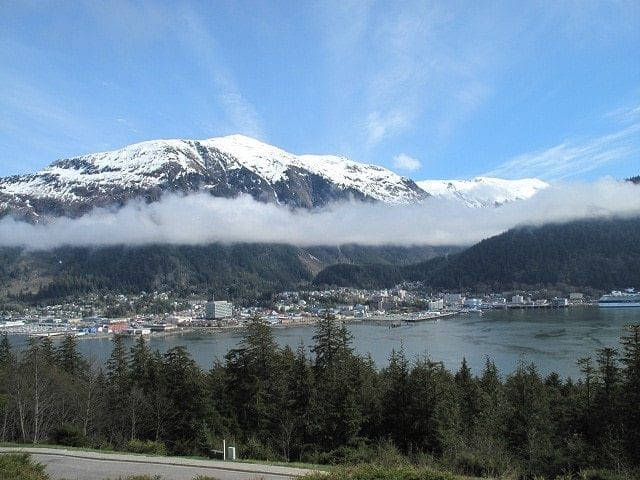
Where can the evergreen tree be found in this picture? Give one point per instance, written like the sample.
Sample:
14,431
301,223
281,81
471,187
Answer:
396,400
6,355
185,428
7,377
588,372
491,420
606,396
432,407
69,358
156,390
139,364
331,347
118,392
221,418
337,416
468,395
255,381
44,348
528,421
117,364
607,428
631,388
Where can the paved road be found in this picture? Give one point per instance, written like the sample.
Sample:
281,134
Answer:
77,465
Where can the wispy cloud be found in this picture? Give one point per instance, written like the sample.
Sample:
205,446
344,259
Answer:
403,70
403,161
626,114
243,116
142,23
573,158
383,124
188,220
131,24
40,121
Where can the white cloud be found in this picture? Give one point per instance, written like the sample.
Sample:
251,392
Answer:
200,219
380,125
403,161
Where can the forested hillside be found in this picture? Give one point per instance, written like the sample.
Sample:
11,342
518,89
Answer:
330,406
237,272
600,254
595,254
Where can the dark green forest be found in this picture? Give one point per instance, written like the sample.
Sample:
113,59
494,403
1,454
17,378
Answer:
596,254
329,405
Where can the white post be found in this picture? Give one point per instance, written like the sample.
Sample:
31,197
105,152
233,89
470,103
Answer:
224,449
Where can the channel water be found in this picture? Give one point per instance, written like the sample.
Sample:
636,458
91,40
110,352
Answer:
553,339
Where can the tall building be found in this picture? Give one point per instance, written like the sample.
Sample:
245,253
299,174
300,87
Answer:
218,309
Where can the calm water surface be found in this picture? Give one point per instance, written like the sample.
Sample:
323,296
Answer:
553,339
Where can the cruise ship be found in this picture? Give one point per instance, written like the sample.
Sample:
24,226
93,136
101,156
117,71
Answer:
628,298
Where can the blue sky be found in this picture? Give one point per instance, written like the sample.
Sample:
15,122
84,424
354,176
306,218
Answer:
429,89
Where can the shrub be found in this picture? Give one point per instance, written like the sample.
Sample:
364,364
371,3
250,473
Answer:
388,455
378,472
602,475
256,450
69,435
20,466
146,446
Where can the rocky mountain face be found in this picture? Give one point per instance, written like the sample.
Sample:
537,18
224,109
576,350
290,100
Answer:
224,167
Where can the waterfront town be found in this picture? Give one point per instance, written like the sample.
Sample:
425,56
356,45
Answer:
158,313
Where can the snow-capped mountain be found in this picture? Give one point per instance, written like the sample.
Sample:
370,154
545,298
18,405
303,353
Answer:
228,167
225,167
483,191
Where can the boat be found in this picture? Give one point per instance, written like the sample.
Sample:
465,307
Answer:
618,299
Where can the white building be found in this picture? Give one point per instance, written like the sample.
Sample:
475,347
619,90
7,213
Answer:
436,305
453,299
472,302
218,309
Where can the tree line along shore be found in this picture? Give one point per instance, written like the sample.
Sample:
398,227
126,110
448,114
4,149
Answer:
329,406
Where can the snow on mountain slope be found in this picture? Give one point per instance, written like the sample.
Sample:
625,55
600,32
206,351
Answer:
272,163
483,191
140,165
226,167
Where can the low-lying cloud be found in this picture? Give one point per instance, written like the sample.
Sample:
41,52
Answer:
200,219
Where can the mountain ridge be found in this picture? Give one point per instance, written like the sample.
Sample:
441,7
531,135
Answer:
224,167
601,254
482,192
227,167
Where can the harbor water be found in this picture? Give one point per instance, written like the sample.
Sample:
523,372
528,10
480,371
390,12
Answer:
553,339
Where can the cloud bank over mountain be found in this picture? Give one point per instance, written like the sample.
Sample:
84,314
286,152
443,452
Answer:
200,219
